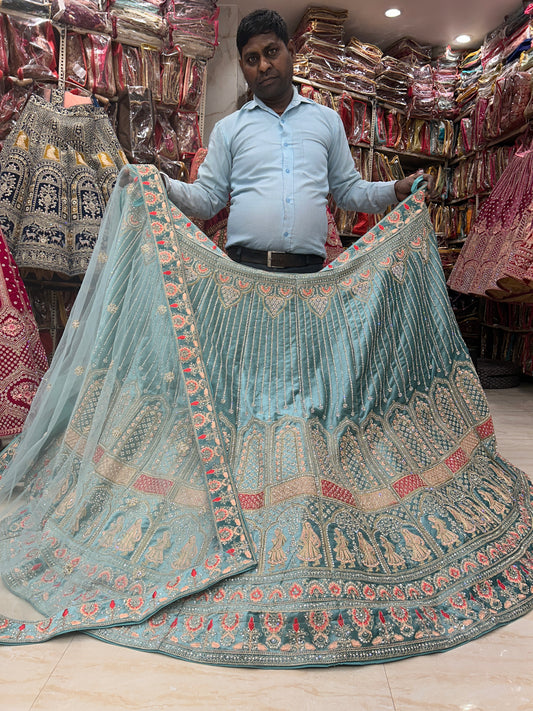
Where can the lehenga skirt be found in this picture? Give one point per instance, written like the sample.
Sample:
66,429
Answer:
22,356
496,259
240,467
57,170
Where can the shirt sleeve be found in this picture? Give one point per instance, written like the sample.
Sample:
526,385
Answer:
210,191
348,188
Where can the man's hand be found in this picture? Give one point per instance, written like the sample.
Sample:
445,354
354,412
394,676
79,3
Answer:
124,177
403,187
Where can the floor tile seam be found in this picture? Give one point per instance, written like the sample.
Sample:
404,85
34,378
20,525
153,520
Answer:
390,688
50,675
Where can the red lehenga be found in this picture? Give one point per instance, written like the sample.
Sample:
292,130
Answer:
497,258
22,356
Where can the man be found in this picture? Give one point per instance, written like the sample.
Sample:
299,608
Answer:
278,158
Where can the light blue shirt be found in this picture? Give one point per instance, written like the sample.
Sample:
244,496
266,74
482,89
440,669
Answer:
277,172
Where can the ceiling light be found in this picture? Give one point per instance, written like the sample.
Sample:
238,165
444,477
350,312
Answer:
462,39
393,12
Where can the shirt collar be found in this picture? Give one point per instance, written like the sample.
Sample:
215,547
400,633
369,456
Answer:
297,99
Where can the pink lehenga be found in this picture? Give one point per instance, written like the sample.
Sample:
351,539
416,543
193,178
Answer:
22,356
497,258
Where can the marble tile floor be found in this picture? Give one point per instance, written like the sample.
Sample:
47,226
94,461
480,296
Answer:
494,673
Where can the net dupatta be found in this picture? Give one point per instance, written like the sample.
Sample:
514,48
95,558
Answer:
130,356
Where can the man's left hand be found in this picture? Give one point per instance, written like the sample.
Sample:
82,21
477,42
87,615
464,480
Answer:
403,187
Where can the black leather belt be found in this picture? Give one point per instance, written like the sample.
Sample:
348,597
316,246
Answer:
275,260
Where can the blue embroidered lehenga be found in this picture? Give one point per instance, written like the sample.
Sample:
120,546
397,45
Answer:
244,468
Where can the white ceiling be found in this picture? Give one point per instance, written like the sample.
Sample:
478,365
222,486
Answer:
432,22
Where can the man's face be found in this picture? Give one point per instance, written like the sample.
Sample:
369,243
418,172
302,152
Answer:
266,62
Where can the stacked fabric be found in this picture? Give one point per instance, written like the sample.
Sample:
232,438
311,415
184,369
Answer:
319,47
194,26
84,14
322,23
418,58
445,77
410,51
360,64
470,71
394,78
139,22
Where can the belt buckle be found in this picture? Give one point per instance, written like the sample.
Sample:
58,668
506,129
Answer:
269,259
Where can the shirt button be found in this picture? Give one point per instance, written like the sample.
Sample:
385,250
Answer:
285,234
287,170
288,199
285,144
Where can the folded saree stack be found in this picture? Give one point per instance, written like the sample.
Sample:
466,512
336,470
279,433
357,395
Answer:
319,47
470,70
139,22
194,26
244,468
361,62
393,77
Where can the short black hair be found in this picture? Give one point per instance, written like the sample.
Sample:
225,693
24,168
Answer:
261,22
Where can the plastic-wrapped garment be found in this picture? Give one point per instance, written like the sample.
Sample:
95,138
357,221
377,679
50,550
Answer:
480,112
368,54
410,51
187,129
464,143
389,127
512,93
151,71
362,123
393,79
4,47
323,22
39,8
80,13
57,169
32,49
23,362
98,49
127,63
76,60
89,63
166,145
172,62
12,102
192,8
135,124
135,25
517,96
193,27
149,7
192,83
322,96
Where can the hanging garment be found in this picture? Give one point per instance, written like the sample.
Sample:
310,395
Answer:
22,357
57,170
489,263
240,467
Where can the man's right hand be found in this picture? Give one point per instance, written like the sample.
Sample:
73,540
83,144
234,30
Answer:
124,177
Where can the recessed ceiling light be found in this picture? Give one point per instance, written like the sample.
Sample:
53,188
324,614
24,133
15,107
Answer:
393,12
463,39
